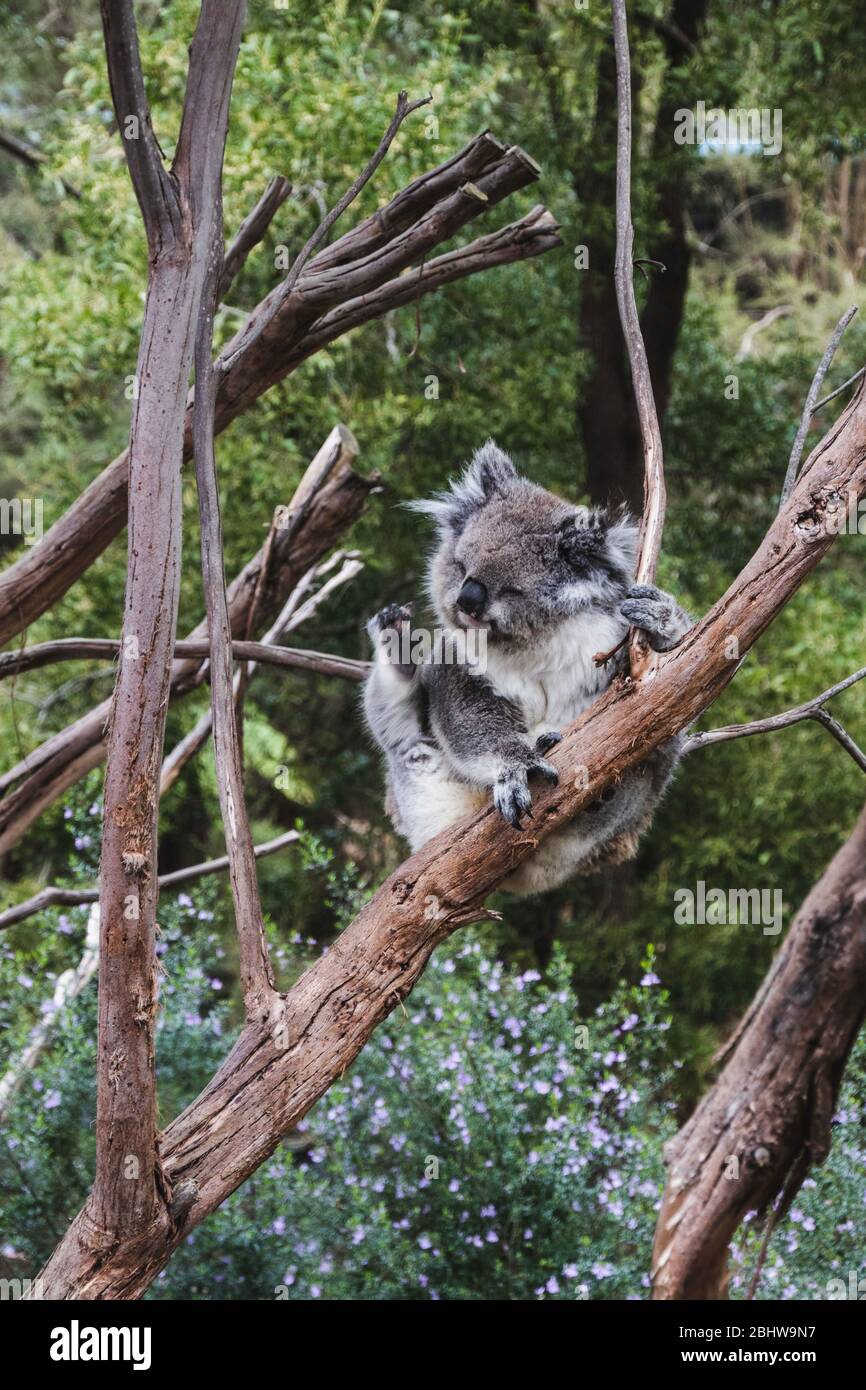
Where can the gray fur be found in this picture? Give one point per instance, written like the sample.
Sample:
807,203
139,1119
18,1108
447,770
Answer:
555,585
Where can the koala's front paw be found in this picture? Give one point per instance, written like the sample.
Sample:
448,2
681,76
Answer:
392,618
511,794
390,632
656,613
545,742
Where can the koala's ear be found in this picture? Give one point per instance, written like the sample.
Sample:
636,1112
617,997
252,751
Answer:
490,471
580,536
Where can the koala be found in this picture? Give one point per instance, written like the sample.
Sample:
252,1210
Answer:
550,585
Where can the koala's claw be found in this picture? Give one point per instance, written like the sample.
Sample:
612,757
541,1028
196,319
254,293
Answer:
545,770
389,623
511,796
545,742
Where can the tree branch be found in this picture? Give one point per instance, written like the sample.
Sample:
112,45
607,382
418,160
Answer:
156,193
251,232
812,709
34,159
62,759
652,522
766,1119
198,736
106,648
257,981
182,218
76,897
404,108
812,404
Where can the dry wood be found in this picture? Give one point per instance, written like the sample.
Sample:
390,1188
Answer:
251,231
49,770
771,1107
75,897
257,981
655,500
180,212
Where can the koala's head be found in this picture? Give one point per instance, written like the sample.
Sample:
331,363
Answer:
515,559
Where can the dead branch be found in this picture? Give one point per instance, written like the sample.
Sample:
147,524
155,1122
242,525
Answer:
61,760
33,158
67,988
277,1070
257,980
405,107
653,520
75,897
194,741
767,1118
812,709
251,231
356,279
82,648
811,404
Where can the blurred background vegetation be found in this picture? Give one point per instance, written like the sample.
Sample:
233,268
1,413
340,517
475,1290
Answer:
527,353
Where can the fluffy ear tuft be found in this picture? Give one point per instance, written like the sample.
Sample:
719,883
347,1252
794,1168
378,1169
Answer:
622,538
490,471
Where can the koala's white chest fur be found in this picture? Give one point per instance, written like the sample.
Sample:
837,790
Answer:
558,679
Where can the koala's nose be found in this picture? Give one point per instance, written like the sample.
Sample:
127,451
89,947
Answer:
472,597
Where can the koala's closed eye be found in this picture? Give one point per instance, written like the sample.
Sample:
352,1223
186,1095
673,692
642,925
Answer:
510,593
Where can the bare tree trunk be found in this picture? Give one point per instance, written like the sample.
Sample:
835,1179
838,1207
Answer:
181,211
766,1120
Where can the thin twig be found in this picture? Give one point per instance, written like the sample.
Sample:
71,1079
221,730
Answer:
76,897
652,523
812,709
404,108
251,231
839,389
82,648
811,403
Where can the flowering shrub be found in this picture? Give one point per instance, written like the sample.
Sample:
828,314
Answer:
488,1143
